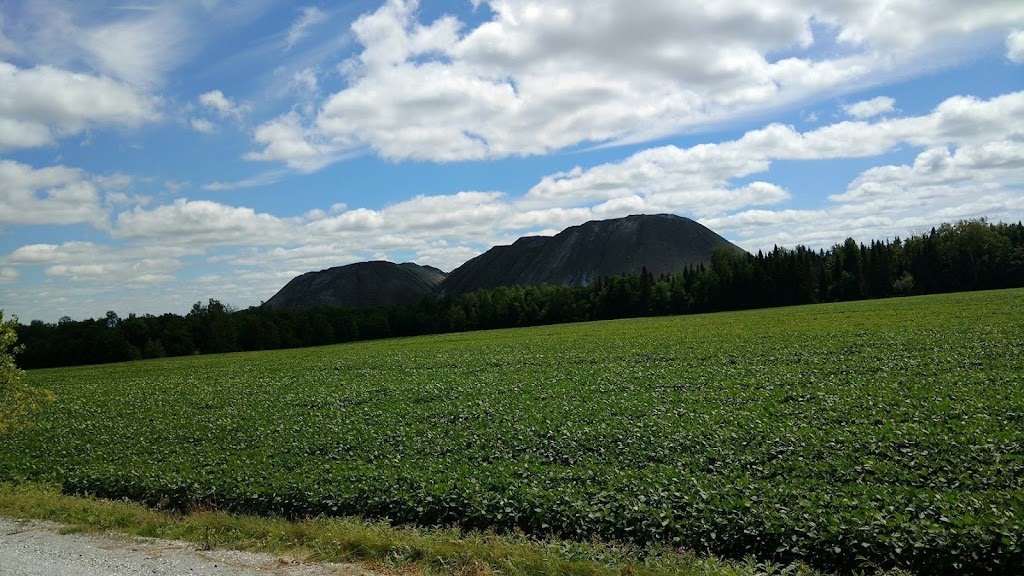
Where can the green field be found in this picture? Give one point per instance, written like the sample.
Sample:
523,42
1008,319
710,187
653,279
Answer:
880,433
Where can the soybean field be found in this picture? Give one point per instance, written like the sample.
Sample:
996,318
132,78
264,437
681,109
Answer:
885,433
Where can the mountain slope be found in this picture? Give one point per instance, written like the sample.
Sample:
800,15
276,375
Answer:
578,255
360,285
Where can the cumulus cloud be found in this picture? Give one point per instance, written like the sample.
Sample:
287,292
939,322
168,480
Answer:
303,258
538,77
1015,46
462,216
216,100
52,195
16,133
909,25
89,262
941,185
870,108
938,172
201,222
39,105
141,272
35,254
309,17
288,141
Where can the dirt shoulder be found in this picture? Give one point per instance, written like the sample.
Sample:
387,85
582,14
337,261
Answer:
35,548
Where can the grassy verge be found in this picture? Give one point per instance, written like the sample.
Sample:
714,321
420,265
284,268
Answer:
378,546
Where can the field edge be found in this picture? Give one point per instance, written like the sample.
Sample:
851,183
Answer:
379,547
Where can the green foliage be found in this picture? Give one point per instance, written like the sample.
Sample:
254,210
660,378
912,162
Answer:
882,432
17,401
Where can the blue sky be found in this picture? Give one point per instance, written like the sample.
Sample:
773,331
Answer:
155,154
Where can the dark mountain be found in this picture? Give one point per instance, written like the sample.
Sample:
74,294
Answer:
579,255
360,285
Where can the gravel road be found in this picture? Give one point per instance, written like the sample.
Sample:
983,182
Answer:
31,548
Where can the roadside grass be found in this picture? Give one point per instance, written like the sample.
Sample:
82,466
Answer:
377,546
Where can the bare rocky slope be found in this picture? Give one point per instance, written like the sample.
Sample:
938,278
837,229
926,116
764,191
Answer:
662,243
359,285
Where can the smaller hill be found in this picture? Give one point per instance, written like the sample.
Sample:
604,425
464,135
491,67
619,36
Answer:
359,285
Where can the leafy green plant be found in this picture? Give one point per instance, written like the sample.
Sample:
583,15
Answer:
17,401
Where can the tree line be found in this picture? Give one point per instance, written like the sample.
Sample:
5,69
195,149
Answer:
969,255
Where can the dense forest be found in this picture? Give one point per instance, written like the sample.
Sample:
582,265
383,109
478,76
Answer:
969,255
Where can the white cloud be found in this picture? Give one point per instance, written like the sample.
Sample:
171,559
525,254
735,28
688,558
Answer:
16,133
53,195
462,215
937,172
78,252
216,100
288,141
539,77
36,254
309,16
9,275
305,257
902,26
39,105
972,181
85,279
203,125
870,108
99,264
202,223
1015,46
141,272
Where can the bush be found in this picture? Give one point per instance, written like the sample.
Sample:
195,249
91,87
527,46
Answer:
17,401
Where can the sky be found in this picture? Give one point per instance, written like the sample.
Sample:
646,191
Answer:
154,154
